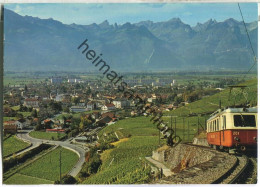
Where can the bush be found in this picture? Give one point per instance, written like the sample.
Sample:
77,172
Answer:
66,179
11,162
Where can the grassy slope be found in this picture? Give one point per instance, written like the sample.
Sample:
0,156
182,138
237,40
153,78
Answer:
24,179
210,104
46,135
128,165
207,105
144,137
47,167
12,145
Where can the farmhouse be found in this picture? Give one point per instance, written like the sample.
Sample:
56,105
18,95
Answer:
10,129
109,106
121,103
31,102
20,124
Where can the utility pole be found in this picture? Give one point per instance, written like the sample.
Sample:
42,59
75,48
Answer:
183,128
198,125
159,137
175,127
171,121
188,130
60,166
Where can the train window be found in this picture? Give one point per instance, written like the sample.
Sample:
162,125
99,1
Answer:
224,122
244,121
217,125
214,125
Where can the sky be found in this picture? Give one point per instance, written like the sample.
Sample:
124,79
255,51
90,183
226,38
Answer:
88,13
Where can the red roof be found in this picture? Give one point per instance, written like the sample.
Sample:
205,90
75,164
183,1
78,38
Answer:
110,114
10,127
55,130
9,122
110,105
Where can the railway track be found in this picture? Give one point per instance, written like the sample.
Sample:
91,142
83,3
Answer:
234,173
244,171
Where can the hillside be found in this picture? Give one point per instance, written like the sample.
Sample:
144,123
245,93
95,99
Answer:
34,44
125,164
210,104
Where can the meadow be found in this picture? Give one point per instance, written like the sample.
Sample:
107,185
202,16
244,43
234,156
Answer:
24,179
12,145
47,135
47,167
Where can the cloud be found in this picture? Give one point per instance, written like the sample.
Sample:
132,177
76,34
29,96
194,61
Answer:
187,14
153,5
17,9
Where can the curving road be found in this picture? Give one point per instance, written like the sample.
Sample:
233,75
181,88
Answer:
24,135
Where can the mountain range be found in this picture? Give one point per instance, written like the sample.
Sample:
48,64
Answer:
34,44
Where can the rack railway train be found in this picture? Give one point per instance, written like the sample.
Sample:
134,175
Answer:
233,128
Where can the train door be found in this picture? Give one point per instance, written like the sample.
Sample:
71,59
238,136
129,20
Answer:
223,124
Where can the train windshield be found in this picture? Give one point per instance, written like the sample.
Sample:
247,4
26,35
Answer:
244,121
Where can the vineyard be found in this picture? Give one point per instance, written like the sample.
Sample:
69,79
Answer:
210,104
47,167
124,164
12,144
24,179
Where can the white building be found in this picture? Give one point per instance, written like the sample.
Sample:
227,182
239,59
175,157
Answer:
109,106
31,102
121,103
78,109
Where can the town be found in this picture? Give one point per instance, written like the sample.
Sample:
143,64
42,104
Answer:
73,111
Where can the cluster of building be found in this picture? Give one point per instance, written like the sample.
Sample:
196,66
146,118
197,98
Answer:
130,82
151,82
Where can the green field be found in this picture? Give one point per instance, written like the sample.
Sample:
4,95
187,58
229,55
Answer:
211,104
199,111
25,179
128,165
47,135
139,126
12,145
47,167
124,164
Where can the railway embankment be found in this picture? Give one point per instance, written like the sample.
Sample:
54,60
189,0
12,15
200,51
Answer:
193,164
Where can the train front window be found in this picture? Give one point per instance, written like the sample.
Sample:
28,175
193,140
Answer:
244,121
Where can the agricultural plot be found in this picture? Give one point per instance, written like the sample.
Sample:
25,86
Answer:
12,145
47,135
139,126
125,163
194,115
48,168
24,179
211,104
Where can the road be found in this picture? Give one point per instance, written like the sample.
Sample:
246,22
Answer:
24,135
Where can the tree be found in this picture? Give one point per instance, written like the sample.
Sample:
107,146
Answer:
25,88
34,113
38,127
19,115
66,179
